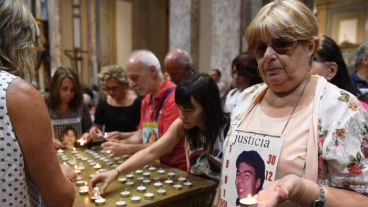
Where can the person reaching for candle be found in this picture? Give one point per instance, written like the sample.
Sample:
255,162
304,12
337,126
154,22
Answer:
118,113
66,107
311,134
203,124
30,173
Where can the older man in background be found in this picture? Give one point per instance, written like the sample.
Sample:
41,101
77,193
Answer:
178,64
158,109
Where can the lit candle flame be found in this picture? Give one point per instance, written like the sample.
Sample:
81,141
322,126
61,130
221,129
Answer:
82,142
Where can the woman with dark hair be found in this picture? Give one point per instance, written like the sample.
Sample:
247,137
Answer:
202,122
244,72
329,63
65,105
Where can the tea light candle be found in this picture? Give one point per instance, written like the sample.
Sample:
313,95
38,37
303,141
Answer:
60,151
248,201
135,199
169,182
79,182
129,176
97,166
161,192
122,179
146,181
178,186
182,179
76,170
100,201
146,174
157,184
83,190
161,171
125,194
148,196
157,178
96,194
138,171
151,168
188,184
120,203
129,183
171,174
64,158
140,178
101,170
141,189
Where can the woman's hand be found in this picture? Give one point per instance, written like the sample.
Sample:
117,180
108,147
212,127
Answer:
115,135
68,172
115,148
58,144
105,177
96,134
286,188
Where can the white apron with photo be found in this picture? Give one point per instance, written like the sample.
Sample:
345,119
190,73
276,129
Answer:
268,147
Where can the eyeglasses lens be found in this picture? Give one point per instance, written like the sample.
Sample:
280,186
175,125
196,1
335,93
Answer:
280,46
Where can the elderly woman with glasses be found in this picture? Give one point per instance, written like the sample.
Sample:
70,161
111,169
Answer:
117,115
312,135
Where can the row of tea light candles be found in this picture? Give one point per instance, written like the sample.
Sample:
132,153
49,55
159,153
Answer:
100,201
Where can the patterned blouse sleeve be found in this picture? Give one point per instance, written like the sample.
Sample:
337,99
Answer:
343,141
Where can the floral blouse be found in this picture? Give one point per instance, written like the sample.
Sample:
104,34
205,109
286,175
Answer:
343,141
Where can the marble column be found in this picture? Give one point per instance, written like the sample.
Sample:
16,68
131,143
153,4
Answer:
180,24
92,20
56,53
225,37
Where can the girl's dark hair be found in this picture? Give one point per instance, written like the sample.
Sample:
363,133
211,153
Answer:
245,64
204,90
330,52
53,100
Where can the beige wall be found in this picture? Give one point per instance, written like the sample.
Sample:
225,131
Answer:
123,31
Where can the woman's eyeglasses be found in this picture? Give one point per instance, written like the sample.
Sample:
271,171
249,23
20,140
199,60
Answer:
111,88
281,46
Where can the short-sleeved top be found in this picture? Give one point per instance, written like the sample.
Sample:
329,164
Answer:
16,187
206,164
167,115
118,118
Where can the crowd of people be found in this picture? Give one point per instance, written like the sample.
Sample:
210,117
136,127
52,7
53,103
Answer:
290,131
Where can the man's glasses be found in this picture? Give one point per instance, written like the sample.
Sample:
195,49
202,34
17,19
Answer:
281,46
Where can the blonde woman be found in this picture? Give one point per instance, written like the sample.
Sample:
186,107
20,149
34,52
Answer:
30,173
118,113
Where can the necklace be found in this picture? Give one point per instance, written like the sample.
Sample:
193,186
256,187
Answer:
297,102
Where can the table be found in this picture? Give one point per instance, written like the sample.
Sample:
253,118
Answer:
188,196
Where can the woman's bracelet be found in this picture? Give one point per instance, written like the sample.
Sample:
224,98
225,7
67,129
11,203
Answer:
117,171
